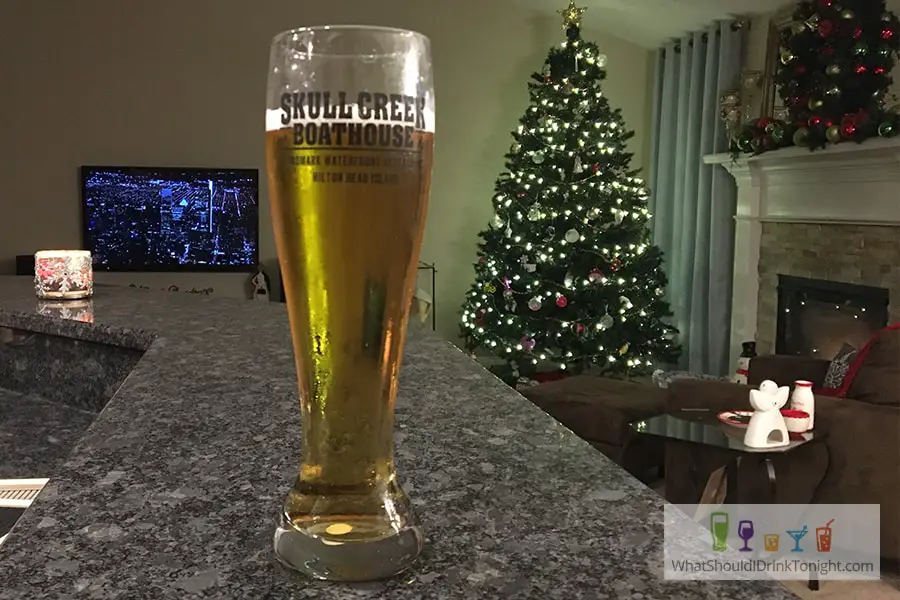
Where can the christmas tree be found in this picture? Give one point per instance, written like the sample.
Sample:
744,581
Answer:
566,276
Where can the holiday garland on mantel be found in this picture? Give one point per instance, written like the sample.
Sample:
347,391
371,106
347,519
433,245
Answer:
833,77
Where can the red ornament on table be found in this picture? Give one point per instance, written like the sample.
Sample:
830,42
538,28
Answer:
561,301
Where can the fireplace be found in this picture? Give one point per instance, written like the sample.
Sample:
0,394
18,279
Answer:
817,317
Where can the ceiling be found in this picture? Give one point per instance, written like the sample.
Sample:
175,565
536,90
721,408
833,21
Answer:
651,22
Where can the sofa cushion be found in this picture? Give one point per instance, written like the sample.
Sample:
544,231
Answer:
874,376
838,368
598,409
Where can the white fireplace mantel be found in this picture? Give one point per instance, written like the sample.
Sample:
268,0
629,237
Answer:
843,184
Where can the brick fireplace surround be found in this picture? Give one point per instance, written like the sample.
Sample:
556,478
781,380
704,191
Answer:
832,214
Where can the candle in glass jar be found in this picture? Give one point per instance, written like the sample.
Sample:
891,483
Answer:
64,274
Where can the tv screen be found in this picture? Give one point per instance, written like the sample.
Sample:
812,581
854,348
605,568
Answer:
171,219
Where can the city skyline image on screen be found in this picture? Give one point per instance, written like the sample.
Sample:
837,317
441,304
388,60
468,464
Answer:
167,219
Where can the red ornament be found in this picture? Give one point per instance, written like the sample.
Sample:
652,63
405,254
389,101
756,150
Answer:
579,328
482,260
857,33
763,122
825,3
826,28
596,167
879,70
860,69
547,79
561,301
887,34
848,125
616,263
520,195
814,121
595,276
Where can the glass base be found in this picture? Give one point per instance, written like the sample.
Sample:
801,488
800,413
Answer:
348,547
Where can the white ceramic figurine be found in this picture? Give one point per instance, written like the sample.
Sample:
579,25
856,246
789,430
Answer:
767,428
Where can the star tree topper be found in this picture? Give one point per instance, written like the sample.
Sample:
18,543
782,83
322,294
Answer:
571,15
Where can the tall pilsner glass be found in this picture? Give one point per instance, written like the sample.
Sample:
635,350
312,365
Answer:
349,145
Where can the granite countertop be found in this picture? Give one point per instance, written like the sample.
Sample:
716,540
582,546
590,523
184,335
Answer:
173,491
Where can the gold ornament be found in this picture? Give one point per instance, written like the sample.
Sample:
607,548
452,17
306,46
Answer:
833,134
490,288
624,348
815,103
786,56
571,15
834,69
800,136
813,22
848,14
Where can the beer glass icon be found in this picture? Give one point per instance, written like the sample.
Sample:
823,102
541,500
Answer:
718,526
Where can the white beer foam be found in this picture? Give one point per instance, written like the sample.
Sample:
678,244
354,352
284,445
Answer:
273,119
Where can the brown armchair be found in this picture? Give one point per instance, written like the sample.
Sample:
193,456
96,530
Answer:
858,462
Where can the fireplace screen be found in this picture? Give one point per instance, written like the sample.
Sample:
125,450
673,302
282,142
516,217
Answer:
816,317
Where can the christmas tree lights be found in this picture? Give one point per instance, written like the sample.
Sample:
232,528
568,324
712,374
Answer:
566,276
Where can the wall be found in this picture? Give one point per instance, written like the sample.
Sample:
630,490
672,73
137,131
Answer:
182,83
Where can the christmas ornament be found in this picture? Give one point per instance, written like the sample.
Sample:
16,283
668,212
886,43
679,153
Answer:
551,231
490,288
786,56
833,134
614,266
593,213
571,15
561,301
623,349
605,322
498,221
515,148
833,69
826,28
626,302
848,14
578,168
511,305
568,280
886,130
887,34
546,121
534,213
601,60
619,216
530,268
595,168
578,328
546,71
535,303
812,22
572,236
860,49
800,136
848,126
815,103
508,232
860,69
815,121
833,91
507,293
595,276
537,157
777,133
528,343
659,292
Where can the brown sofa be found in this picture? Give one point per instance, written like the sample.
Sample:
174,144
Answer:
858,461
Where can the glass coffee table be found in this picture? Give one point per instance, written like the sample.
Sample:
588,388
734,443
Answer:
700,426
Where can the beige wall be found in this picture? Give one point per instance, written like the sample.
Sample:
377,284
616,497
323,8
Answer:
175,82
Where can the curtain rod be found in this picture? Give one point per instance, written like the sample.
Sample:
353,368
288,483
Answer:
736,25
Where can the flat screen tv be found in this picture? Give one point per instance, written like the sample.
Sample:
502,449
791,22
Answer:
171,219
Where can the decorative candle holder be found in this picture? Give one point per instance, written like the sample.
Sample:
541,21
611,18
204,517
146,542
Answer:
63,274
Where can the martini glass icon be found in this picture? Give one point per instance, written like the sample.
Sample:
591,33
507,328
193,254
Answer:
798,535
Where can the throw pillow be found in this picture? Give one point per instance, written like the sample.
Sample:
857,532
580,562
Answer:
874,375
839,366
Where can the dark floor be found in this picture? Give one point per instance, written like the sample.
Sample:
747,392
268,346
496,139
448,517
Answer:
36,435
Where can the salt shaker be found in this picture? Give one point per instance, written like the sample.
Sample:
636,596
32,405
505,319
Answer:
802,399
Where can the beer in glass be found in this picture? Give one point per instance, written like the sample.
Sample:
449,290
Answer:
349,135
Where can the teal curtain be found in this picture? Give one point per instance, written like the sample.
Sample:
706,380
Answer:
693,204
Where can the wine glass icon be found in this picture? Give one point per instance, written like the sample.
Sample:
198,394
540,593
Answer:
797,534
745,532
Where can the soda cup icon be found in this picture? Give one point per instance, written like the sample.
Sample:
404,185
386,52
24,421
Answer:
823,537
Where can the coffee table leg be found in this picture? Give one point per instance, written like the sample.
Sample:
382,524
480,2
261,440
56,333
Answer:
770,470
